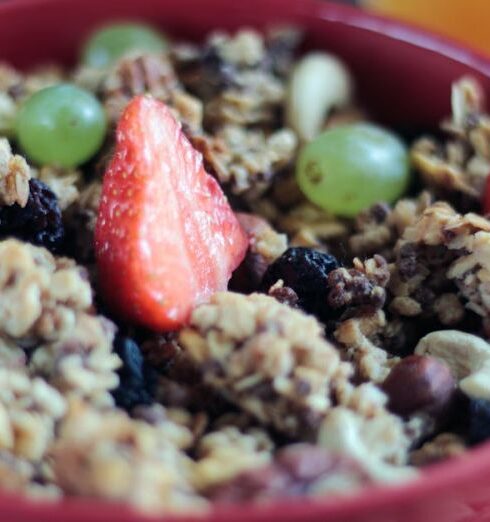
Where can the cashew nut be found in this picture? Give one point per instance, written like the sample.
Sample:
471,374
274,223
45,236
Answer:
467,355
319,83
467,97
368,441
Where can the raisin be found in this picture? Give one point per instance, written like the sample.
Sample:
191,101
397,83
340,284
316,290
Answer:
218,72
305,271
478,422
137,380
39,222
247,277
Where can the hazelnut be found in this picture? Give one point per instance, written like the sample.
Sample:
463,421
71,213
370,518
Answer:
467,355
420,384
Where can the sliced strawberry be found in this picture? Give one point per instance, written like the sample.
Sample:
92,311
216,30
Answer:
166,237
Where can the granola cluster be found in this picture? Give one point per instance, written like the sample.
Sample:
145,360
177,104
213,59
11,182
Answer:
41,295
273,362
361,292
246,160
241,81
141,74
47,308
441,265
29,410
460,165
104,454
241,77
223,454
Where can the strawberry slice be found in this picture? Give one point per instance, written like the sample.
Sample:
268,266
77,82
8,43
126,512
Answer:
166,237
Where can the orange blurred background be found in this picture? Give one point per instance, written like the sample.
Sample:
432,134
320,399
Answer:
465,20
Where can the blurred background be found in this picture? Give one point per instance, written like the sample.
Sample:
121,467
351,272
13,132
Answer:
463,20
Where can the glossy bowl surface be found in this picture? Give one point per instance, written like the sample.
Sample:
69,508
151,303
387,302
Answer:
403,76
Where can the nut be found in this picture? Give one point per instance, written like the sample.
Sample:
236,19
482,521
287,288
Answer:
368,441
467,355
319,83
467,97
420,384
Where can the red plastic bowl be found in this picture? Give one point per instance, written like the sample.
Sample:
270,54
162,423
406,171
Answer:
404,77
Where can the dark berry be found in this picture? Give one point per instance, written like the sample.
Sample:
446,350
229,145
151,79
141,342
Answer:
248,276
39,222
305,271
478,421
218,72
136,378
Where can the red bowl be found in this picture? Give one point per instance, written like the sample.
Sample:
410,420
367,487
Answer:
404,77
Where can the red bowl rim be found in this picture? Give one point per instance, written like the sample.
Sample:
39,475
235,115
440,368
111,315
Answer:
433,480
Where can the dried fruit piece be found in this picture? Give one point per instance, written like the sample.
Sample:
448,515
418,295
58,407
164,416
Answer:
136,379
166,238
305,271
39,222
478,424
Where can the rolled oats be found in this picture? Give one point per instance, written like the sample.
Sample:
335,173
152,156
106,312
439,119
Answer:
40,295
105,454
268,358
80,361
29,409
444,250
463,162
227,452
14,176
273,362
246,160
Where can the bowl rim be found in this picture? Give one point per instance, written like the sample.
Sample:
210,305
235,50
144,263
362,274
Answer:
433,479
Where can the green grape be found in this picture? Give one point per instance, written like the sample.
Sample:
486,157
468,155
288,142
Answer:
349,168
111,42
62,125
